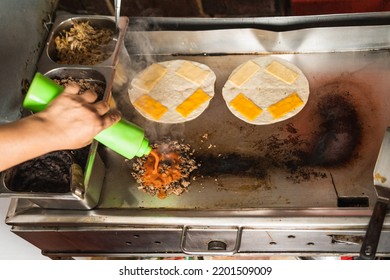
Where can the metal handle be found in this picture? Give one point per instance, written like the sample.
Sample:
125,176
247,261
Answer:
117,12
265,23
211,252
371,239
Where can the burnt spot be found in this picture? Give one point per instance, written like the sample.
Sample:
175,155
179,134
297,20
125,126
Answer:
25,84
290,128
233,164
339,132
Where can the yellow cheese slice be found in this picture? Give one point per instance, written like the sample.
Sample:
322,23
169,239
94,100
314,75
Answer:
244,73
286,105
192,102
150,106
246,107
192,73
150,77
281,72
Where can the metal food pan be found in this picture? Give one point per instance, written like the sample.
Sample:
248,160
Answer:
322,157
83,191
86,180
65,22
99,76
86,176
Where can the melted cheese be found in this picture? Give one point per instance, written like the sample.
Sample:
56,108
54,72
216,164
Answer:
244,73
192,73
246,107
281,72
150,106
192,102
286,105
150,77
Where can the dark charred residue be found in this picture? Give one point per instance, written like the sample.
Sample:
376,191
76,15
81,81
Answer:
25,84
291,129
49,173
46,174
331,138
339,132
335,137
289,153
232,164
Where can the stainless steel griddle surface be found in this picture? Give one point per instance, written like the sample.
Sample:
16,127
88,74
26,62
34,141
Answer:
323,157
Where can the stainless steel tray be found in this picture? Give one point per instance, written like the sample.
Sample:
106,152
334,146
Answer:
84,187
64,22
86,181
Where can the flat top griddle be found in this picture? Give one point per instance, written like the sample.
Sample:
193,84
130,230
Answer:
323,157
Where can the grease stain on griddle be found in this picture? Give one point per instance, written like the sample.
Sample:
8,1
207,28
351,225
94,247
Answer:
339,129
233,164
333,141
279,153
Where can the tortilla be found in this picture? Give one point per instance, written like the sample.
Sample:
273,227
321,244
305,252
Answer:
173,91
266,90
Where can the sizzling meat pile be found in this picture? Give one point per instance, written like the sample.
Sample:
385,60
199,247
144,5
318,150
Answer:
172,173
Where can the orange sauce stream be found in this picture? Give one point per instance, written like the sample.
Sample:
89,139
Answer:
156,160
155,176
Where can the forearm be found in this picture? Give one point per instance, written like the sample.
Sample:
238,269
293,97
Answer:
71,121
23,140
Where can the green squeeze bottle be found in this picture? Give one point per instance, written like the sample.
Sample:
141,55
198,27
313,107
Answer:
125,138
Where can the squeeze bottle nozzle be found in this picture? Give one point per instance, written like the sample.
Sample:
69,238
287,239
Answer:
124,137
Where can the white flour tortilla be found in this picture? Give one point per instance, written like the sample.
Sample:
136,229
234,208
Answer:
172,89
264,90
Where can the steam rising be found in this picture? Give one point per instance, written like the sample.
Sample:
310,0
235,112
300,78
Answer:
140,49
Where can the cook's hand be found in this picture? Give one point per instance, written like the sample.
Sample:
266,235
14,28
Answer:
70,122
74,119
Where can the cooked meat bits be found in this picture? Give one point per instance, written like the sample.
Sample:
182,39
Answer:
49,173
84,44
84,84
172,175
